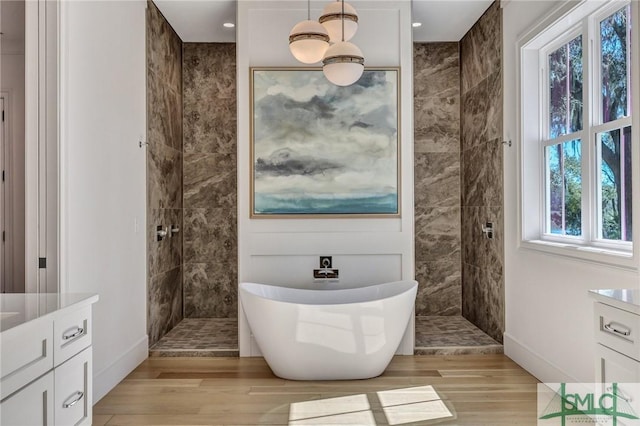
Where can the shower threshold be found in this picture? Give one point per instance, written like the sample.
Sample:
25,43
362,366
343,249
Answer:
452,335
199,337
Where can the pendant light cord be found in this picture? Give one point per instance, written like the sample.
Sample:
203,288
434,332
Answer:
308,10
342,20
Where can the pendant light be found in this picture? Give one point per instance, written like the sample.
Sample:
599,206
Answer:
340,21
308,40
343,63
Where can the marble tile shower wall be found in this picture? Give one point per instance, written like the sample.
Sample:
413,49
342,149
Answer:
437,178
164,174
210,212
481,177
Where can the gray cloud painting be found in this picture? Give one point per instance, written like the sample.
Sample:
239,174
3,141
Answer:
324,149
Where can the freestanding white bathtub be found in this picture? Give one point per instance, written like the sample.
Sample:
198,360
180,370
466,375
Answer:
328,334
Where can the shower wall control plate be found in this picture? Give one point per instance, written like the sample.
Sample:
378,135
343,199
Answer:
326,262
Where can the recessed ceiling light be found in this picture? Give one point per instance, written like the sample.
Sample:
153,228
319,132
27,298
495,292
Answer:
416,24
228,25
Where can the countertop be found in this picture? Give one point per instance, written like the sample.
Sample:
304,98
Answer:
17,309
626,299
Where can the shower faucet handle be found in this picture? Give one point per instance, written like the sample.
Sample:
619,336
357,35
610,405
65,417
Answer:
487,230
161,232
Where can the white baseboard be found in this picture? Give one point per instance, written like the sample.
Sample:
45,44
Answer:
109,377
534,363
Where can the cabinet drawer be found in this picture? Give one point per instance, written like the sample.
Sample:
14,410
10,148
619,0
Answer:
31,406
27,353
618,329
72,333
73,405
613,367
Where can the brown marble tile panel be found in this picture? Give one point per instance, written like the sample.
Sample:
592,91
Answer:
483,299
210,181
440,286
164,110
436,69
210,97
210,235
210,125
490,317
477,249
473,116
481,48
211,67
164,303
211,290
436,246
481,176
494,106
437,123
437,179
470,280
437,221
164,177
164,49
166,254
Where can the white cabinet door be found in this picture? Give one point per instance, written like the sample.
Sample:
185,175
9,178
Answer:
31,406
73,390
28,354
613,367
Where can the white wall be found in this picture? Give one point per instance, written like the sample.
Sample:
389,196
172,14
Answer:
284,252
103,192
549,315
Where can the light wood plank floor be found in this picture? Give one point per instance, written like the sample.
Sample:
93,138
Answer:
414,390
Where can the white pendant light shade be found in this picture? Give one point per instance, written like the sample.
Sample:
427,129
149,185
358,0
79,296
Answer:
308,42
331,19
343,64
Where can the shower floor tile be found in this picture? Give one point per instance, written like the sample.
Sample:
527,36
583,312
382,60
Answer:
451,335
199,337
435,335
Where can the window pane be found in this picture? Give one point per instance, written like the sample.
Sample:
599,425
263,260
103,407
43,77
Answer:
565,89
564,188
615,184
614,36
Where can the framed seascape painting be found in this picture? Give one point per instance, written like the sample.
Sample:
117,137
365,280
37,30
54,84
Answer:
318,149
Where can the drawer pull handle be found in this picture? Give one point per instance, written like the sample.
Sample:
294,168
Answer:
78,332
611,329
77,396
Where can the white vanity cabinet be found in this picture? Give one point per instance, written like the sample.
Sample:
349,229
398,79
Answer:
617,330
45,359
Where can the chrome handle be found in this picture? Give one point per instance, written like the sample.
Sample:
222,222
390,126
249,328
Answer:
611,329
78,396
162,233
78,332
175,229
487,230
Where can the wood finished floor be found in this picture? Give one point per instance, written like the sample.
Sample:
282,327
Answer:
414,390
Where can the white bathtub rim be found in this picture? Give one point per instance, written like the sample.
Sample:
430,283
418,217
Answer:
412,285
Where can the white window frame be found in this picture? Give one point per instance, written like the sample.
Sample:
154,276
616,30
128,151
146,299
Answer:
561,26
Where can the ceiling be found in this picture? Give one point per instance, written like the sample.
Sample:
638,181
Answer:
201,20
